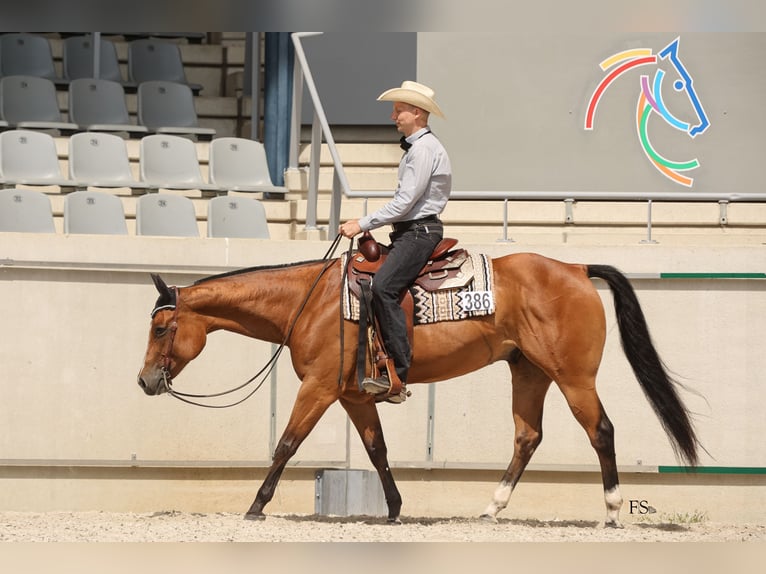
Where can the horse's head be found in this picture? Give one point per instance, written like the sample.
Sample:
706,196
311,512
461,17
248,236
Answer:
177,336
682,84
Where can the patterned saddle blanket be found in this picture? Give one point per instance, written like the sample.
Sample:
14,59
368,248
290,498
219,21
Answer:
461,287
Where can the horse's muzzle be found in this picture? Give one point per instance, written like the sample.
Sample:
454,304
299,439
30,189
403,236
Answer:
158,386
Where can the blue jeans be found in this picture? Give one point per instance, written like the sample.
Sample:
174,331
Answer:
409,251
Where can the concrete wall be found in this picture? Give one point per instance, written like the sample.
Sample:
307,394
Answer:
79,433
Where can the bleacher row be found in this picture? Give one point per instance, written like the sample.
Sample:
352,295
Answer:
157,214
29,83
148,58
99,105
100,162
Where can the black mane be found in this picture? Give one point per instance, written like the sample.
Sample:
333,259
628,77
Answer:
253,269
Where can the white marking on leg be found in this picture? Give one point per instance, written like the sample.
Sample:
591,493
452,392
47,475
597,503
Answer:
499,499
613,500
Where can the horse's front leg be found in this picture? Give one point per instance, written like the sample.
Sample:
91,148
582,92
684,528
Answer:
364,414
311,403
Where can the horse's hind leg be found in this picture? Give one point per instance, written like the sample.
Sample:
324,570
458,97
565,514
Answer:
589,412
364,414
529,387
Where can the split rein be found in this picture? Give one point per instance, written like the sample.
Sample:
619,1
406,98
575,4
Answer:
265,371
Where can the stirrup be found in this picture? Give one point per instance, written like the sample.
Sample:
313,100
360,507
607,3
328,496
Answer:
400,398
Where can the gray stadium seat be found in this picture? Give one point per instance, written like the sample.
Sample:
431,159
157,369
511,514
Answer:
170,162
29,102
25,210
153,59
78,59
30,158
168,107
236,216
94,212
99,159
239,164
99,105
24,54
165,214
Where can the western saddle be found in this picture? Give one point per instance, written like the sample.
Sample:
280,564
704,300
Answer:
442,271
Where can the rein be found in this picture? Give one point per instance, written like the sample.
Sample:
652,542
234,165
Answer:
265,370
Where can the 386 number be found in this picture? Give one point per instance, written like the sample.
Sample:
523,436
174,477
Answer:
476,301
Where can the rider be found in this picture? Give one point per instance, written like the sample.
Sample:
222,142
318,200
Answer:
425,182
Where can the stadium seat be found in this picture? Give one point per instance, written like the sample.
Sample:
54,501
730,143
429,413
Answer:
154,59
95,213
78,59
99,105
170,162
24,54
30,102
168,107
25,210
166,214
239,164
99,159
236,216
30,158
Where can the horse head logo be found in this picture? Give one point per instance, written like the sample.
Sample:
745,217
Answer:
651,101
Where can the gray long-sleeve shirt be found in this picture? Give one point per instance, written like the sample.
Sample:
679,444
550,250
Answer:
425,182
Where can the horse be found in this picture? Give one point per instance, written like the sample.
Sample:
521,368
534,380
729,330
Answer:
548,325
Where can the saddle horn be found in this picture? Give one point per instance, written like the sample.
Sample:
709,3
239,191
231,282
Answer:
369,247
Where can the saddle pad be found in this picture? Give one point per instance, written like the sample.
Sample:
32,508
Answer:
444,304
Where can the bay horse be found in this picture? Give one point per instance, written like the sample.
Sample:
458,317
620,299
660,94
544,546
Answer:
549,326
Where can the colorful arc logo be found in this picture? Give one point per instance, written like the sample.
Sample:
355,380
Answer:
650,101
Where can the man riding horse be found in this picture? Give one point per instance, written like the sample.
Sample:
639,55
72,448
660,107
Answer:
424,185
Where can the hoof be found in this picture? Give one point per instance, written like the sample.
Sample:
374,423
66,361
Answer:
613,524
255,516
488,518
393,520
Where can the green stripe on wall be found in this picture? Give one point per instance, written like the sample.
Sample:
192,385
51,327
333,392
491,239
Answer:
712,469
712,275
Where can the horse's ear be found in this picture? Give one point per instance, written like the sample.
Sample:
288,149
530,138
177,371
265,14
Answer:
160,284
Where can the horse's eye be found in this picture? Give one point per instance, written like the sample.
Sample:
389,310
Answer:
159,331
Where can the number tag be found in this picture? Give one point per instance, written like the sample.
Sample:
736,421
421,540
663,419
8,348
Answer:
471,301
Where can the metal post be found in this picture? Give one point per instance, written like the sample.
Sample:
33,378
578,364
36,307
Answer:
568,211
313,191
96,45
335,204
255,73
648,224
431,423
505,239
273,404
295,118
723,212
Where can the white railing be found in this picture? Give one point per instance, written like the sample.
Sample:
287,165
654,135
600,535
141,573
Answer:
341,188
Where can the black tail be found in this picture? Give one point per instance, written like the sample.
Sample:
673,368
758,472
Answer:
658,386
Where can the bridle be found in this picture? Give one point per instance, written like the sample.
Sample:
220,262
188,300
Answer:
167,379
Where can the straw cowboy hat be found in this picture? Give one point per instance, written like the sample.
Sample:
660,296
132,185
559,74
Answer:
415,94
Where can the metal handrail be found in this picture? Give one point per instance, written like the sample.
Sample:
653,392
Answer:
570,197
